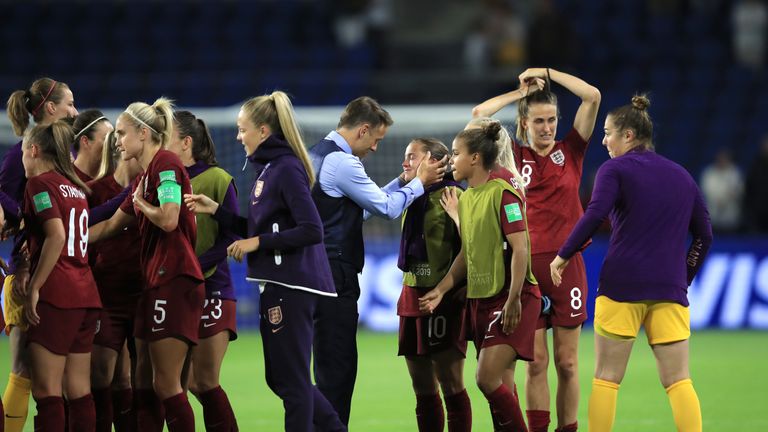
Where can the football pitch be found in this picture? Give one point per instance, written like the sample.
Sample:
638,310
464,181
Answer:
729,369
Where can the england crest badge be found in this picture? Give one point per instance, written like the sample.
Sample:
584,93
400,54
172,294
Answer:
558,157
275,315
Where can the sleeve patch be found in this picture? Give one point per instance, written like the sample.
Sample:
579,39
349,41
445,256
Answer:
42,202
169,175
169,193
513,212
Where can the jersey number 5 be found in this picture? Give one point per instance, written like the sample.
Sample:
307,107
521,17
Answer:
82,224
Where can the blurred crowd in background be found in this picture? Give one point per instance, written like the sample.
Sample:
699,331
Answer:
703,62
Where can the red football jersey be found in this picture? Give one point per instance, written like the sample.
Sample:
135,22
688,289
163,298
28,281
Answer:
512,218
499,172
115,261
166,255
81,175
552,190
52,196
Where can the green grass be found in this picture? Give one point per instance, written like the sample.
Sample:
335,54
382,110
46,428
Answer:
729,371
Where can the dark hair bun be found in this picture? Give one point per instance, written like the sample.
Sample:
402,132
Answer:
641,102
491,130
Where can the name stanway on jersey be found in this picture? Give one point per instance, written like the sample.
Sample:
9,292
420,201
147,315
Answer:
52,196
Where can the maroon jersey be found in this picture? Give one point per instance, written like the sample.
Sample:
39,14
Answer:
115,261
508,227
81,175
52,196
499,172
552,191
166,255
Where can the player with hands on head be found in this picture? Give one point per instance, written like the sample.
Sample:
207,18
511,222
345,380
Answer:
551,172
653,205
502,297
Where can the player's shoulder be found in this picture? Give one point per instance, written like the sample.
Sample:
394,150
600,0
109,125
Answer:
166,159
49,180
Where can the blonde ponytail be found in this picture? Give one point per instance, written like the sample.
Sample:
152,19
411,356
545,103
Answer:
156,118
276,111
291,132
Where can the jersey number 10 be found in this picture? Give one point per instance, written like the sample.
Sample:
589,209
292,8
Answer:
82,224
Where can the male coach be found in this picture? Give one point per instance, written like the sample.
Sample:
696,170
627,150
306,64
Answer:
345,196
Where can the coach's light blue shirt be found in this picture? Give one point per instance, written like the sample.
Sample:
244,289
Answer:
343,174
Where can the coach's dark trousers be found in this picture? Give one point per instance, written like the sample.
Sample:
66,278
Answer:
286,332
335,343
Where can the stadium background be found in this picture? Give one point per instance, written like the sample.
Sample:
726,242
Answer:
428,62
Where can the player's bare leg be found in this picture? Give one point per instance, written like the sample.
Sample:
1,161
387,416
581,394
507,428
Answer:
168,356
566,351
611,358
207,358
103,362
672,362
536,383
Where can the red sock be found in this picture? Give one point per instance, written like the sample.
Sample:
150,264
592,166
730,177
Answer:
82,414
459,412
538,420
149,411
178,414
102,402
506,409
50,414
573,427
429,413
494,420
217,411
123,413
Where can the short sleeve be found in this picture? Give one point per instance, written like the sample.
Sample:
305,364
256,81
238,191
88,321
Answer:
575,143
511,213
41,202
166,170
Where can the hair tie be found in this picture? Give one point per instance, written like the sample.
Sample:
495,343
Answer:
34,111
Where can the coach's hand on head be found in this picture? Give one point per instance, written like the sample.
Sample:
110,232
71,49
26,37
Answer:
431,171
200,204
